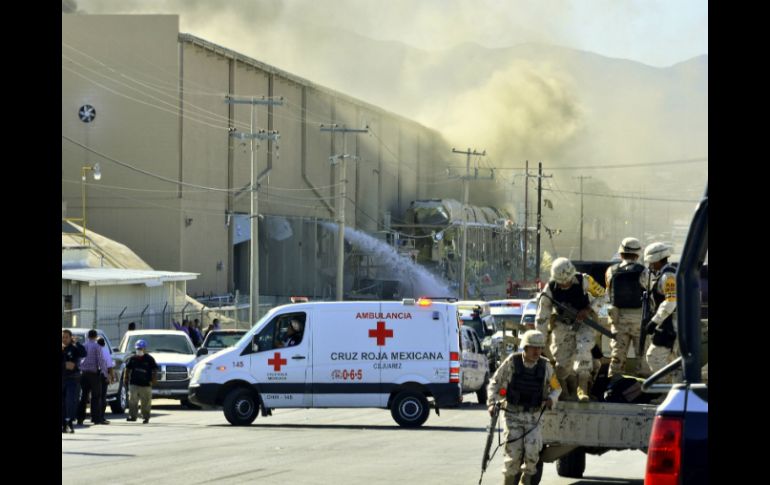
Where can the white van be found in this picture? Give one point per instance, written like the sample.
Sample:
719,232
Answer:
392,355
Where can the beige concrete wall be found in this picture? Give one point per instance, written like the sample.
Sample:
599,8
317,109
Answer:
131,81
284,191
205,147
248,81
369,169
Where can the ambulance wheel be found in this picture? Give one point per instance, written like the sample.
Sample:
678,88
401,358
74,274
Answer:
241,407
410,409
481,394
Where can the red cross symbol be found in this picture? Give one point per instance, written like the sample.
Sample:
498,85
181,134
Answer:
276,361
381,333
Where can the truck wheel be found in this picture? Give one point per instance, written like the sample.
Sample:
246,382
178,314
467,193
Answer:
572,465
409,409
241,407
535,479
119,405
481,394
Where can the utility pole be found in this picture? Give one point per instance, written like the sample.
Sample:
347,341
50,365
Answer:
253,136
526,220
464,244
343,194
540,177
581,178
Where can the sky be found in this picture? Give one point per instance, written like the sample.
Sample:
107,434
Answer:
655,32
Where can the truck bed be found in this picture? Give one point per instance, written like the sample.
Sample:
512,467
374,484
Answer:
599,425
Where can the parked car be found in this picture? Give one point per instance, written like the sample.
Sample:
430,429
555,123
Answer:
174,353
477,315
507,315
217,340
473,365
528,317
116,395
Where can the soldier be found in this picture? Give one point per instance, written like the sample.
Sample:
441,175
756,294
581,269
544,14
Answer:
663,287
572,342
625,283
526,382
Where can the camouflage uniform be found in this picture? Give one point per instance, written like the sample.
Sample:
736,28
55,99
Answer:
518,421
626,323
660,356
571,347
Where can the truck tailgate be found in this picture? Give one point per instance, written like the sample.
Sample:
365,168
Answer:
596,424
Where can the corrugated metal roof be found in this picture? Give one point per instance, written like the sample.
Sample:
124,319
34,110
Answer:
116,276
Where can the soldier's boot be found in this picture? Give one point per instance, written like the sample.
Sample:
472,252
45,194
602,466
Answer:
526,479
572,385
564,391
509,480
582,388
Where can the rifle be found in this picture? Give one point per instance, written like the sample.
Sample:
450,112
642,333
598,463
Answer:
485,459
491,430
646,316
571,313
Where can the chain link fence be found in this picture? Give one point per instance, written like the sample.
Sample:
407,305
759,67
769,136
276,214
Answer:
114,322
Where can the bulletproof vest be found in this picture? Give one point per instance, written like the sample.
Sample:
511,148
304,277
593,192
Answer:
667,336
625,290
573,296
526,386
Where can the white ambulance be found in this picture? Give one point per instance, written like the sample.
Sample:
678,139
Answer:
384,354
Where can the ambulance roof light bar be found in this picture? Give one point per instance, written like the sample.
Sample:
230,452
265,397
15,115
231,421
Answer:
421,301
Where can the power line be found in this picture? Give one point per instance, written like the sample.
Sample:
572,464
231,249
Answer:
145,172
630,165
627,197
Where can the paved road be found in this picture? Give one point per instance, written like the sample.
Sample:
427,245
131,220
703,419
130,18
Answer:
304,446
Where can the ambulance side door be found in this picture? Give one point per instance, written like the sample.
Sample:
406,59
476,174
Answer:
281,371
346,370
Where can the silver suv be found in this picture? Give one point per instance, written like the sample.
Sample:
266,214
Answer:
174,353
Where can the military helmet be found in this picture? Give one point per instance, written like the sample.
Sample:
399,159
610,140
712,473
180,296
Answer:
533,338
562,271
656,251
630,245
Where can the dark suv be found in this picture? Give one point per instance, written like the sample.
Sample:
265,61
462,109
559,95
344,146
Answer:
678,447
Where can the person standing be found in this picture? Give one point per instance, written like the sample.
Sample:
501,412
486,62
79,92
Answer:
110,368
525,382
625,283
572,341
93,368
662,327
141,373
72,352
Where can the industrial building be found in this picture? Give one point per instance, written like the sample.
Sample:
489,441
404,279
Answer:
149,104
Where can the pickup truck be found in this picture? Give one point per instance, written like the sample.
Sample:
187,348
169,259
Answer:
674,434
678,447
